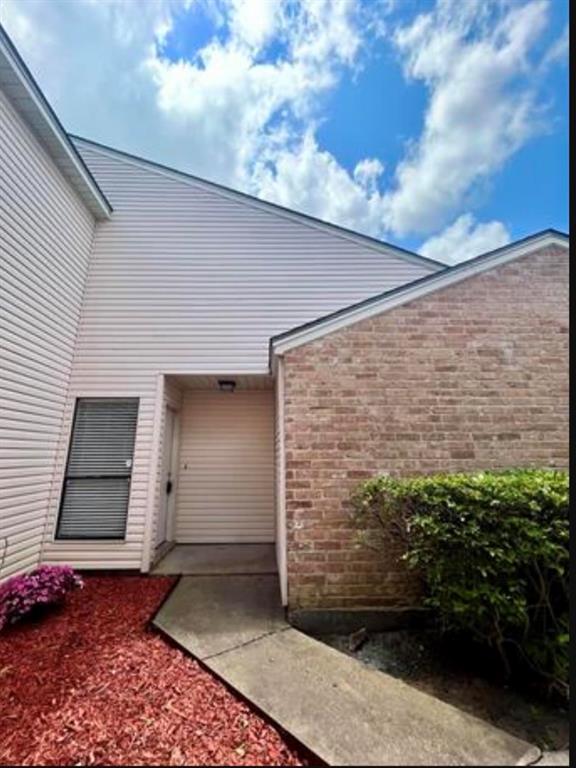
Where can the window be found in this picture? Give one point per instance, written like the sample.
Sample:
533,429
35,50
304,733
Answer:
94,502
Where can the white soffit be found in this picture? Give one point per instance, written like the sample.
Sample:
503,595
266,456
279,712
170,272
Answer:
242,382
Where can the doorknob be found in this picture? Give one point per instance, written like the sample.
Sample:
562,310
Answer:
169,487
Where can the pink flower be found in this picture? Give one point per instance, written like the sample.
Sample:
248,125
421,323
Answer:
46,585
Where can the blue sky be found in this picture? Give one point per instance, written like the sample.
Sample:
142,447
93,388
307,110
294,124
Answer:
529,193
440,125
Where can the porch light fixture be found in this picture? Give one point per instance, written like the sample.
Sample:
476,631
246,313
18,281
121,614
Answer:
226,385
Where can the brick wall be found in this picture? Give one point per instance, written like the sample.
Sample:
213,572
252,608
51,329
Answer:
472,376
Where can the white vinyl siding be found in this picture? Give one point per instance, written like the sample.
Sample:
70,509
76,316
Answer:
185,280
45,239
226,468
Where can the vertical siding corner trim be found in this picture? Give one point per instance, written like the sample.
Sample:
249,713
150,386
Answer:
152,479
281,552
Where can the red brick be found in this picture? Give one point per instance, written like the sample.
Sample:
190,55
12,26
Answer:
471,377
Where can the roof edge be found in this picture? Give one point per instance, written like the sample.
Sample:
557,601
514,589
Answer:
80,176
322,326
366,240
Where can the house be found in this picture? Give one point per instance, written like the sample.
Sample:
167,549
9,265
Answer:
183,363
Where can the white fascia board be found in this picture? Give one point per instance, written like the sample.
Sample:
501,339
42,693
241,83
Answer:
29,95
413,291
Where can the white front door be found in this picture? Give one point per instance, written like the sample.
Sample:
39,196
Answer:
167,490
226,468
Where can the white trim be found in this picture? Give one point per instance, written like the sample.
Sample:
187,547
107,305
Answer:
174,472
30,95
234,373
415,291
254,202
281,533
148,544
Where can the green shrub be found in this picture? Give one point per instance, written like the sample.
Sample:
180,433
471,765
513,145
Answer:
492,550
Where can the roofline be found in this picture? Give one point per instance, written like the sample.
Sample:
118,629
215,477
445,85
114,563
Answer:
100,207
403,294
366,240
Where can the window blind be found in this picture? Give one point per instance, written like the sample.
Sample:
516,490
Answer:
96,489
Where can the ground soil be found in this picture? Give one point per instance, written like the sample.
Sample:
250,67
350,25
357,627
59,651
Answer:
91,683
460,676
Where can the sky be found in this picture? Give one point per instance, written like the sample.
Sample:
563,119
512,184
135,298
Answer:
437,125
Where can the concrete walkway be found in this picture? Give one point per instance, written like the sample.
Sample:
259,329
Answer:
341,710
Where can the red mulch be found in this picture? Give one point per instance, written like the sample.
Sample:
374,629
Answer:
92,684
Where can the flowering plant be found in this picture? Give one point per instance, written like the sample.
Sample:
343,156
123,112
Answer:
46,585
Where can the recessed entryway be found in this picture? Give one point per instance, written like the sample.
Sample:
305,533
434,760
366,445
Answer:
215,559
226,478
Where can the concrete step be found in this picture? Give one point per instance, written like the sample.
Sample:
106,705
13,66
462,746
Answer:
216,559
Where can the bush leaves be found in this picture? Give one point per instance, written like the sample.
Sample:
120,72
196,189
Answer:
492,548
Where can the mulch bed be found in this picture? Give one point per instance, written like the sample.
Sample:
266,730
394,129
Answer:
92,684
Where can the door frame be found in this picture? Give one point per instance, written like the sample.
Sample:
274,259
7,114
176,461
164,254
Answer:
170,501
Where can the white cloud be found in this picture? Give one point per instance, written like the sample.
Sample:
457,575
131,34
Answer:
464,239
229,94
87,55
559,51
308,178
367,173
243,110
254,23
482,104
